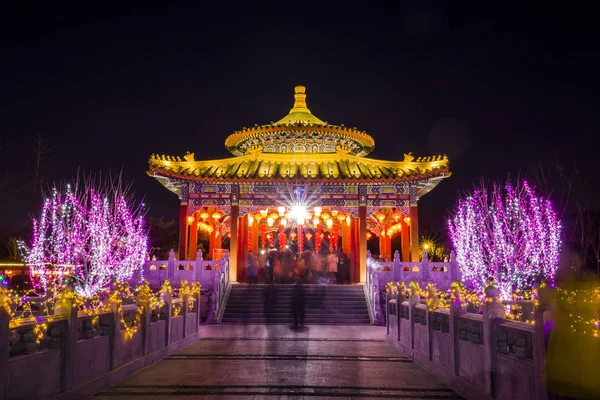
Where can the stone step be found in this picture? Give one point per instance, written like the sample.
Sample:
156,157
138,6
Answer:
290,320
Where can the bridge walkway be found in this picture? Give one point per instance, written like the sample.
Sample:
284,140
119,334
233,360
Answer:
241,362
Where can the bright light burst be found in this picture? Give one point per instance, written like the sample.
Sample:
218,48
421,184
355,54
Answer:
506,234
299,199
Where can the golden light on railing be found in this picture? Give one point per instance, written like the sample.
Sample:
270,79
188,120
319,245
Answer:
283,222
204,215
329,223
316,221
190,219
281,210
318,211
270,221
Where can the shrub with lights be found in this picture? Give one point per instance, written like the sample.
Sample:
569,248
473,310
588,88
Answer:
507,234
90,233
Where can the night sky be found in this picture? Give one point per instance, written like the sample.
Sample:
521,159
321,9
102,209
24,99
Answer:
496,88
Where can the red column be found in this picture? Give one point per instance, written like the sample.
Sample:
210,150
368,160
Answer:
242,244
353,247
233,244
193,240
404,243
362,235
414,233
183,228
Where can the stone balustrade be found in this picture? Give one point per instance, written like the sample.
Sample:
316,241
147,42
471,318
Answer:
80,353
481,356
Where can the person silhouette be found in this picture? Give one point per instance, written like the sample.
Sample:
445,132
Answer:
298,303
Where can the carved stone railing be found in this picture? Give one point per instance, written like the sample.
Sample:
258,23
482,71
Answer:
481,356
79,353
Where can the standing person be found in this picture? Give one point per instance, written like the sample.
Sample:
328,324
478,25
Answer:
332,266
298,303
252,268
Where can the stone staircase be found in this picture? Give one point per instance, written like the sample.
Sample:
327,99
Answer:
271,304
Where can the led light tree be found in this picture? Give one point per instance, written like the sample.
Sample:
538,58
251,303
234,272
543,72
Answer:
89,232
505,233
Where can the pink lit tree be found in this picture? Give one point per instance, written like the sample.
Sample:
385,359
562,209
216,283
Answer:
505,233
89,232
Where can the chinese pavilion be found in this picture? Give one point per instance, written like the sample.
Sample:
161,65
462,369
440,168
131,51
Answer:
302,181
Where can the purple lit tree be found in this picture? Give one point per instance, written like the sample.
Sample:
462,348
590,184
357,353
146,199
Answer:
89,232
505,233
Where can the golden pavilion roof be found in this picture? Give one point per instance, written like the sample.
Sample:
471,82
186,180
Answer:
300,146
264,166
300,132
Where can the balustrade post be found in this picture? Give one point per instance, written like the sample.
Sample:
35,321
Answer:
146,315
70,311
4,349
492,309
454,272
169,312
413,300
455,311
539,356
198,304
186,310
171,266
425,268
397,267
115,336
199,265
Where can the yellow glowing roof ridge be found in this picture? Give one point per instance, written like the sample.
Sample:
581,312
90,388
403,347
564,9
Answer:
300,114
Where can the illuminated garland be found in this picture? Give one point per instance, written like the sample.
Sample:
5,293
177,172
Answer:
508,234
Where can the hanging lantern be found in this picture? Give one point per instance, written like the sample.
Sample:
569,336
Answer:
293,235
397,216
407,220
334,213
309,236
263,235
318,211
369,235
330,237
300,239
341,217
264,212
281,210
249,233
329,223
204,215
318,238
380,217
283,222
282,238
325,216
316,221
190,219
336,236
216,216
270,221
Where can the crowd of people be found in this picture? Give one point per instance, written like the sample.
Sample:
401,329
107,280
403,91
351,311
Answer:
289,267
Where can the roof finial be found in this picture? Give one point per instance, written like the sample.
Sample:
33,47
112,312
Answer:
300,100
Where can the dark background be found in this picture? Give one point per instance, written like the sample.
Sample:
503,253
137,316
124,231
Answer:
496,87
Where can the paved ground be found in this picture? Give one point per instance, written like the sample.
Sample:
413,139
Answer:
277,362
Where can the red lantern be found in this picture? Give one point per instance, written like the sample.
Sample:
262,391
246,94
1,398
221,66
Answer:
330,237
318,238
282,238
263,235
336,237
300,239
